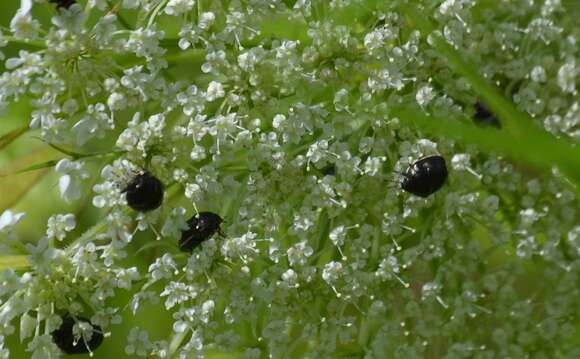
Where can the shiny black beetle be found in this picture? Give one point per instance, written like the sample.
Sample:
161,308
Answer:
425,176
484,117
200,228
64,337
63,3
144,192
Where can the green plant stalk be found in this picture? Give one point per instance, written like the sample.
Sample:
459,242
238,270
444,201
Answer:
11,136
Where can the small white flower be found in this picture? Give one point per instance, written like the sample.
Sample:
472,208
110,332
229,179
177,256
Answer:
27,326
538,74
99,4
69,183
9,219
341,99
207,309
460,161
138,342
24,26
243,247
43,347
131,4
337,235
528,217
332,272
454,7
138,136
59,224
426,147
527,247
178,7
299,253
175,223
116,101
290,279
574,238
144,42
124,278
425,95
567,77
198,153
95,123
71,19
25,6
206,20
278,121
164,267
42,255
215,90
374,40
373,165
177,293
83,331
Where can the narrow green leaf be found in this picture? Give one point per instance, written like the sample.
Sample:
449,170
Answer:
34,167
64,150
8,138
14,262
155,244
24,172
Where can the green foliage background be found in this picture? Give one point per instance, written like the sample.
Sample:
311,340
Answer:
35,192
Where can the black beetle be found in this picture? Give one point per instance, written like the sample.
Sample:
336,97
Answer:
483,117
144,192
200,228
425,176
63,3
329,170
64,338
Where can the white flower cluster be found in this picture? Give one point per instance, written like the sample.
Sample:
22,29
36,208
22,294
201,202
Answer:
278,116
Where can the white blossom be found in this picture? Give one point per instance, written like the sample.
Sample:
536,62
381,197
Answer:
59,224
9,219
178,7
69,183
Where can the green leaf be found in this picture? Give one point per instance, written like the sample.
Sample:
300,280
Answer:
34,167
14,262
155,244
21,175
8,138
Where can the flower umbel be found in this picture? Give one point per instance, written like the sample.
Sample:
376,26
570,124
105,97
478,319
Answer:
244,177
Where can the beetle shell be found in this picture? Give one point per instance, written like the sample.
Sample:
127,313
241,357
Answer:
484,117
63,3
64,338
144,192
425,176
200,228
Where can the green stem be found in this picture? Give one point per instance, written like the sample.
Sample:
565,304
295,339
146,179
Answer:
120,18
156,12
231,207
175,343
11,136
193,54
33,43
